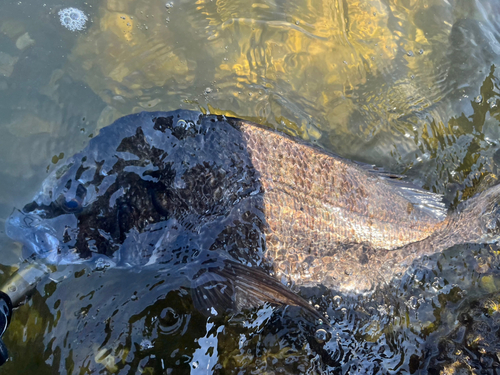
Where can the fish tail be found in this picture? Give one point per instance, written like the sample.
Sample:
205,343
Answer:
476,220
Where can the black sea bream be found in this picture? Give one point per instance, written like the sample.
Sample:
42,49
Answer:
229,202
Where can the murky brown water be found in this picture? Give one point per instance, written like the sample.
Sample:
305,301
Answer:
412,86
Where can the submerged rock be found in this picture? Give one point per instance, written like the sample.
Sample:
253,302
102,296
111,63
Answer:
473,345
7,63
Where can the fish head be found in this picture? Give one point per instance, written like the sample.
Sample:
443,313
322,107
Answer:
47,226
151,187
76,217
112,190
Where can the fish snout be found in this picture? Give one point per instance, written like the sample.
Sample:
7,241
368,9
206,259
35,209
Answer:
30,230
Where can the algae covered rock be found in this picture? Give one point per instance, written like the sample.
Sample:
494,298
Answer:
473,346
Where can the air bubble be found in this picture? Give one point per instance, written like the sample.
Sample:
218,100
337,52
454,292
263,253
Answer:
321,336
337,300
101,264
146,344
73,19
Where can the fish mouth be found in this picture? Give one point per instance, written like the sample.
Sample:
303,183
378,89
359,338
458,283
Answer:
38,239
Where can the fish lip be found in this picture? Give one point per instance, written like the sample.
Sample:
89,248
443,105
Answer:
37,239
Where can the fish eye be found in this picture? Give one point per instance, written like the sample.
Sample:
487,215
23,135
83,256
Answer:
72,204
75,203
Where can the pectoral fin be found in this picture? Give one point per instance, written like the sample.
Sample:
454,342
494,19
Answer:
237,287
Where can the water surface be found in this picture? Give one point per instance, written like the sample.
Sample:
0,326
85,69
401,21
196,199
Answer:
411,86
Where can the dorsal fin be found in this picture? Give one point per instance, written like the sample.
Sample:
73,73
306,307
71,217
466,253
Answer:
429,202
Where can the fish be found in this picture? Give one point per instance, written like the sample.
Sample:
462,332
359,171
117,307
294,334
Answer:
240,210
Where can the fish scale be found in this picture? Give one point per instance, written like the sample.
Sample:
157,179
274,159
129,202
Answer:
356,209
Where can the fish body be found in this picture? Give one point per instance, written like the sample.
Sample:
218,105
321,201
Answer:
229,201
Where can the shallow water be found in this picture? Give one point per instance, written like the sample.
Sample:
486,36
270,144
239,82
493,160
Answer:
412,86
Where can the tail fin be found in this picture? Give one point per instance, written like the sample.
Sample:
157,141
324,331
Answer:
477,220
238,287
482,215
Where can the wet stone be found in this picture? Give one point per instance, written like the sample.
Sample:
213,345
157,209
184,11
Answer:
7,63
24,41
